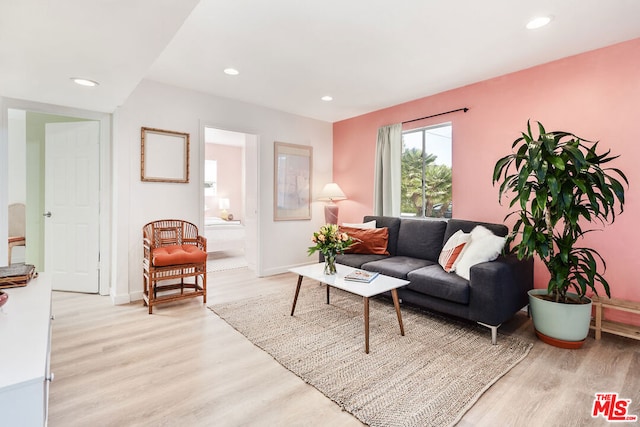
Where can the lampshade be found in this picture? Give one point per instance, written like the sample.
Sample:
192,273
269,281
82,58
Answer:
223,203
331,192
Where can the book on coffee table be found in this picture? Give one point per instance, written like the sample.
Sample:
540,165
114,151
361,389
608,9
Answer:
361,276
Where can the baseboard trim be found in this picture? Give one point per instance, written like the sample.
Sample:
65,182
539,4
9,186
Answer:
120,299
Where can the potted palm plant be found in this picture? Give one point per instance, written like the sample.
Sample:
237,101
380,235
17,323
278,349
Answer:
560,185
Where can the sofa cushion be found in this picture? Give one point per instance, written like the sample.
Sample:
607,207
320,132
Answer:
177,254
393,224
356,260
435,282
484,246
453,249
397,266
367,241
421,238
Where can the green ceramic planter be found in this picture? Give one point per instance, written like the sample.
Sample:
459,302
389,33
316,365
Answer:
567,322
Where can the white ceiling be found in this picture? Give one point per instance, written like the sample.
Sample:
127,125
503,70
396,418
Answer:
367,54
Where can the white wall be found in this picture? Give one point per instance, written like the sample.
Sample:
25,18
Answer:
17,171
282,244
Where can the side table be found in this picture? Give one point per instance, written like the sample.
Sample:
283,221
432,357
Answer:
599,324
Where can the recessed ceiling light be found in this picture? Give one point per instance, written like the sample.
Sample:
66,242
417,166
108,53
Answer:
84,82
327,98
538,21
231,71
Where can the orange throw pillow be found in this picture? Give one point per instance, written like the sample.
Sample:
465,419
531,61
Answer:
367,241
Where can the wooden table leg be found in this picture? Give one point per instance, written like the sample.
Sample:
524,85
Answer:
396,304
328,293
295,298
366,325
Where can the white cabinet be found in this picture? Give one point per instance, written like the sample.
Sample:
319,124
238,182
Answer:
25,335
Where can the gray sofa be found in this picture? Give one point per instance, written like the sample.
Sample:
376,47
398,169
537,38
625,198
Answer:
495,290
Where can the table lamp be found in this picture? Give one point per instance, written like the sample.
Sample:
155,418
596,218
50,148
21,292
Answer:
223,204
330,193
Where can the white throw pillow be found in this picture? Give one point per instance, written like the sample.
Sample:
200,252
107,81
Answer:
484,246
364,225
452,251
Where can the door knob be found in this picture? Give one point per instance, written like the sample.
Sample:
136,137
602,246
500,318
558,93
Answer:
47,214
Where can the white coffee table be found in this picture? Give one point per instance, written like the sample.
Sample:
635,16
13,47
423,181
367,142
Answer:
377,286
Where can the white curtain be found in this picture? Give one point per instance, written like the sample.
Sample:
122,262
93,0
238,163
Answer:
386,198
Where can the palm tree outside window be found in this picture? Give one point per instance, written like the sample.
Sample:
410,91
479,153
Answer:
426,172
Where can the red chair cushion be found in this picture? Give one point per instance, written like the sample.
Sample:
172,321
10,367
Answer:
177,254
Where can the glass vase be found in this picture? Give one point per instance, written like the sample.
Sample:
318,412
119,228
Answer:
330,263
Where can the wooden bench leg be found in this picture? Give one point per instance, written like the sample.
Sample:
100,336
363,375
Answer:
151,296
204,286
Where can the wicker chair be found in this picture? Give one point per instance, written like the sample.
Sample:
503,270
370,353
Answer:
173,250
16,227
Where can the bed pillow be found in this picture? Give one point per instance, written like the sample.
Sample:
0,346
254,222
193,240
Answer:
484,246
367,225
367,240
452,251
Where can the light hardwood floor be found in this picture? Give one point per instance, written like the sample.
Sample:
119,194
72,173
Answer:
184,366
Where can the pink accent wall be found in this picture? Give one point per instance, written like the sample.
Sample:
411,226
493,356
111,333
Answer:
595,95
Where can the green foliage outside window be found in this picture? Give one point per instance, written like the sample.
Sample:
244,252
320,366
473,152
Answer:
434,198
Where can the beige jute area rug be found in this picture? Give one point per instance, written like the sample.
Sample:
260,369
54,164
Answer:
429,377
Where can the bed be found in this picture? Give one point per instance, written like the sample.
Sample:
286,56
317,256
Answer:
223,235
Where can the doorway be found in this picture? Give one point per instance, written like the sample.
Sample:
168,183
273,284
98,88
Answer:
54,170
230,198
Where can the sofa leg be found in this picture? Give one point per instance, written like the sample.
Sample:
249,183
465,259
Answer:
494,332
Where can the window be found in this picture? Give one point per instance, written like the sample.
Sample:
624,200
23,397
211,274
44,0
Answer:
426,172
210,177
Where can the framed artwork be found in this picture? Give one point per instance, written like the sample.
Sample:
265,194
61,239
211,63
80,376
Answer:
165,156
292,182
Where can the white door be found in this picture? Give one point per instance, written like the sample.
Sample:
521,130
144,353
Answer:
71,214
